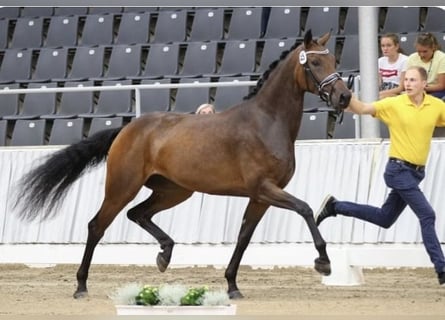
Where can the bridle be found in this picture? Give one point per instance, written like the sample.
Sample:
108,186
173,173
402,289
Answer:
321,85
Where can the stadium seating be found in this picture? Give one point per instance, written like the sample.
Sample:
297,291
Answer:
90,46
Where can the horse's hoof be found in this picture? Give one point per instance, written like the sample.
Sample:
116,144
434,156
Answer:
235,295
162,264
80,294
323,267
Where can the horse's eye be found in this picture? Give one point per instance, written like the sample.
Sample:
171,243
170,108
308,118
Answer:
316,62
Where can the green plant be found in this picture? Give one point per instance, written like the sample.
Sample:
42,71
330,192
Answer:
169,295
148,296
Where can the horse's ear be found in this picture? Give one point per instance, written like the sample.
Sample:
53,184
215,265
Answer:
324,39
307,38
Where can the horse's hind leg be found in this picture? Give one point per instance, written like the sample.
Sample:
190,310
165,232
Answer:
165,195
96,230
253,214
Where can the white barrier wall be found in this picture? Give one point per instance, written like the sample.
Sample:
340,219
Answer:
350,170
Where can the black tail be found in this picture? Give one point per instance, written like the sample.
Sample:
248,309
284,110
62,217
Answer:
45,186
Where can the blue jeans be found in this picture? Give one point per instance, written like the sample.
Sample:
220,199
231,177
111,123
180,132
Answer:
404,182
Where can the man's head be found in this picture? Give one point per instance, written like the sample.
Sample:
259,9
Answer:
415,80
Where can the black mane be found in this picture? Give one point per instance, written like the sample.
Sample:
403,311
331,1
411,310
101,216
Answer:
272,66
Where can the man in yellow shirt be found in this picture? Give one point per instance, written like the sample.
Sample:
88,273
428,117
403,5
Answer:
411,119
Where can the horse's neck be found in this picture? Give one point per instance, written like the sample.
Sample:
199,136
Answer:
280,99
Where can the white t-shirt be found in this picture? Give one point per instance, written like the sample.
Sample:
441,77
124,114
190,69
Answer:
390,72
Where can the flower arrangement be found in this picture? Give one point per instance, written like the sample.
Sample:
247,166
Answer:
169,295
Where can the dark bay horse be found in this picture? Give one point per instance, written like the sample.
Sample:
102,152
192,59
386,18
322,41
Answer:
247,150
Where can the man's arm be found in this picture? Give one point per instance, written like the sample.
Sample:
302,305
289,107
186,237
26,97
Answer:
358,107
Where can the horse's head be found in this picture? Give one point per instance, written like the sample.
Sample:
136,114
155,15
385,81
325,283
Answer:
315,72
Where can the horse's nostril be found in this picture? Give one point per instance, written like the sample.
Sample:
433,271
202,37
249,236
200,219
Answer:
344,99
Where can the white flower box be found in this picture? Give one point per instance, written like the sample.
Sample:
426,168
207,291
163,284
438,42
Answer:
175,310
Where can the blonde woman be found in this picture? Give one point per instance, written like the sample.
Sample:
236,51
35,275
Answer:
205,108
429,56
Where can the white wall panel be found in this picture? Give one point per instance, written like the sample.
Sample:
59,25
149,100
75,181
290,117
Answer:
348,169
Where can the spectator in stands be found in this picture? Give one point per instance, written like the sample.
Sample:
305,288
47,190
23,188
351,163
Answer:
431,58
391,65
205,108
411,118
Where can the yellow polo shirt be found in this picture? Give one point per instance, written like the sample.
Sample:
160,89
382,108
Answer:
410,127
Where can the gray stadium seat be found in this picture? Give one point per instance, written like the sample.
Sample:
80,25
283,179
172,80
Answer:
112,103
66,131
36,104
226,97
402,20
125,61
99,124
171,26
4,31
87,63
346,129
272,51
134,28
16,65
9,102
28,133
51,64
434,20
188,99
239,58
313,126
162,59
200,59
28,33
62,31
284,22
74,103
330,16
245,24
34,12
98,30
3,131
155,100
208,24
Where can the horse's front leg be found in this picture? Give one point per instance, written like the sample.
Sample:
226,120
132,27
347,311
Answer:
277,197
252,216
142,215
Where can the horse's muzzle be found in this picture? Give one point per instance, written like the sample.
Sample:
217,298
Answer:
344,99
